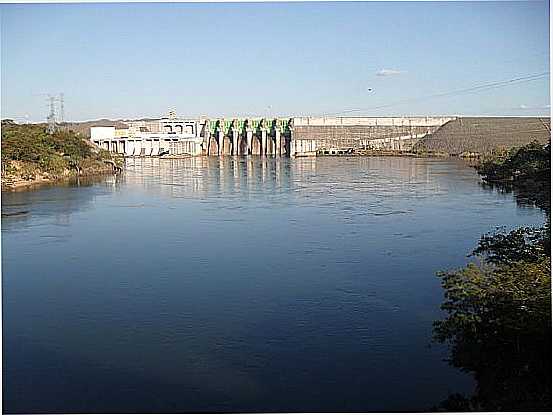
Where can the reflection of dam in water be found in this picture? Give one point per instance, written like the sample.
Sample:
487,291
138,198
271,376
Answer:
273,178
201,176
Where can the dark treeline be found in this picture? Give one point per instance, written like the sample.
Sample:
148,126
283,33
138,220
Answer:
498,312
525,171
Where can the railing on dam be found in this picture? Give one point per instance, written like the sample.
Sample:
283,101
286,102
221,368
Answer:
371,121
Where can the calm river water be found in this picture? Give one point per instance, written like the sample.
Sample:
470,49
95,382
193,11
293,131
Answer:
239,284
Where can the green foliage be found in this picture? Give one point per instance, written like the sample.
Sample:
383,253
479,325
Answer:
498,314
52,163
71,145
104,154
525,170
528,160
23,144
31,143
522,244
39,151
494,301
499,325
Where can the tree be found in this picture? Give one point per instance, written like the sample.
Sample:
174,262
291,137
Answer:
498,313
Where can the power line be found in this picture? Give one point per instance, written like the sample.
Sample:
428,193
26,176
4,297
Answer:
478,88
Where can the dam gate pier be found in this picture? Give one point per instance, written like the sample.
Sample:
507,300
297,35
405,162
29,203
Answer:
242,137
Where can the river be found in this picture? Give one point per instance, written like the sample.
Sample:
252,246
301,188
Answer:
239,284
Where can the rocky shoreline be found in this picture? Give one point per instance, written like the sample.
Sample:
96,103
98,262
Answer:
14,182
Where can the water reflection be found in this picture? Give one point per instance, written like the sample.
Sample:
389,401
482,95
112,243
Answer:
359,187
201,176
226,284
58,200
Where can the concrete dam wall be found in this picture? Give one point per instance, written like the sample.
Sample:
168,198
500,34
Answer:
301,136
305,136
314,134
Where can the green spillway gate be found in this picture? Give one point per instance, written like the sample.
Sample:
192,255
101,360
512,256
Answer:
283,124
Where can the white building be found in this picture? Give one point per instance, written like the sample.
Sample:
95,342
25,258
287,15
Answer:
168,135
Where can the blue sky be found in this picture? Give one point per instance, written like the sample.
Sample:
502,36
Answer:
236,59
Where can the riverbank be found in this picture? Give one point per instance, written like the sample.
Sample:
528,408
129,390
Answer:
498,309
31,157
14,182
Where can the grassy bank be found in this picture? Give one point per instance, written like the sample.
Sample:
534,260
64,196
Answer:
30,156
498,309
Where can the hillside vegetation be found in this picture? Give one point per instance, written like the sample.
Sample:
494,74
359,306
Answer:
30,154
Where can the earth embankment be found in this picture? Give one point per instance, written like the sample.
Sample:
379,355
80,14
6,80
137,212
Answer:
484,135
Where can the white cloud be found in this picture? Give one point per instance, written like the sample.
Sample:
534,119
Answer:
388,72
535,107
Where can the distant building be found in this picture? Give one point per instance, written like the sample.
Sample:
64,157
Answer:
167,135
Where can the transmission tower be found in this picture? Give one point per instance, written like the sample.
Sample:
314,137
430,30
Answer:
52,114
62,110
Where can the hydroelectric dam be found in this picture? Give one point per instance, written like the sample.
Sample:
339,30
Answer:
306,136
295,136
